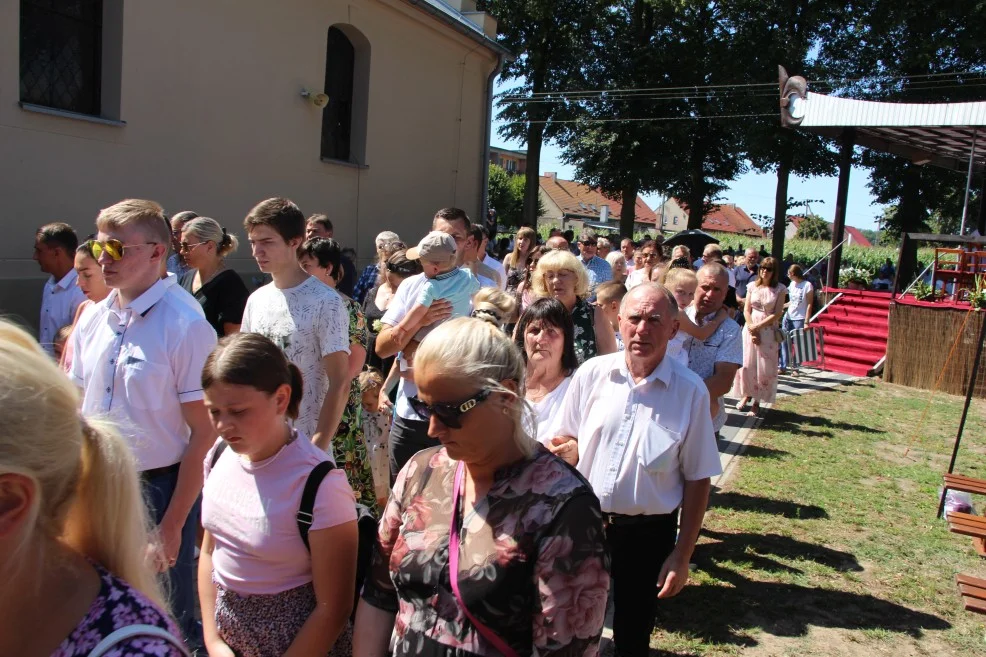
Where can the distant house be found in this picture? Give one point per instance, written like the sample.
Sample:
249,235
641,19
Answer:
569,204
512,161
856,236
723,218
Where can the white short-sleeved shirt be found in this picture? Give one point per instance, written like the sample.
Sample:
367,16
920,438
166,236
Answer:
137,366
548,411
800,294
635,278
640,442
59,302
308,322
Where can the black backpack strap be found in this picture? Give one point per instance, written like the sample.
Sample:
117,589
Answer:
306,512
216,454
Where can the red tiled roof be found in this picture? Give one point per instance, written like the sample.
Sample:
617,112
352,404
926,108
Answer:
727,218
578,200
857,237
730,218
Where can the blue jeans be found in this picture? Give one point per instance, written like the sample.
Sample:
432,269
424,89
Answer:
158,491
789,325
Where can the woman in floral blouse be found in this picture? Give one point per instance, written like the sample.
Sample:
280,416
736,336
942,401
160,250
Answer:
561,275
322,258
529,569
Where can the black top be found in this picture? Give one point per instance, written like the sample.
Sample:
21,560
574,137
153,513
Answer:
373,314
223,298
348,281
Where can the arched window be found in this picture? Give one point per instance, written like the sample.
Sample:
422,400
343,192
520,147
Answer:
347,84
337,117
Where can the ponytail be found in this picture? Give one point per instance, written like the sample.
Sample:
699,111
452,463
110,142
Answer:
296,391
107,520
87,493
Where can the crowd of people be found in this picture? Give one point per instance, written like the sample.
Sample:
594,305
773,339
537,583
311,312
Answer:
525,440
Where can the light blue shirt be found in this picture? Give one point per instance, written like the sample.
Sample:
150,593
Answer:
599,270
457,287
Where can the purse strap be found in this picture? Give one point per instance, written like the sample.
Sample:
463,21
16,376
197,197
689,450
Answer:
131,631
454,530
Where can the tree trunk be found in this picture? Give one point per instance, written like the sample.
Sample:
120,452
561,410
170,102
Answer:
909,213
780,197
696,195
628,211
532,184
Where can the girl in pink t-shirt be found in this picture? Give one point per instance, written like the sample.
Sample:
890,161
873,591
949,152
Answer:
262,592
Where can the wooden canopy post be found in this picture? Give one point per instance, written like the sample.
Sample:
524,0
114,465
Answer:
841,198
981,219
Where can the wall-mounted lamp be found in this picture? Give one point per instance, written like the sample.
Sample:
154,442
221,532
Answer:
318,100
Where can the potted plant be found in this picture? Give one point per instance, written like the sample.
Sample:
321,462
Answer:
924,292
977,297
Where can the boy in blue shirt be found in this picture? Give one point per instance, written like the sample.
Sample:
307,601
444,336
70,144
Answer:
436,251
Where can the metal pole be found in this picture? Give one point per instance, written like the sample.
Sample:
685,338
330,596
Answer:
968,181
965,409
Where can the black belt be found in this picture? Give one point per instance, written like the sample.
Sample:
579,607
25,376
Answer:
621,519
160,472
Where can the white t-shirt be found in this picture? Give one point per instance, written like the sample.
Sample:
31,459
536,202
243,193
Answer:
308,322
678,347
548,411
493,263
635,278
800,294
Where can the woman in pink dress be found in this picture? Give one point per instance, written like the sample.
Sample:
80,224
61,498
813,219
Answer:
757,380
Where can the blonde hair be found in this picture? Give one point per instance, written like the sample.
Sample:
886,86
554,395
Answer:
610,291
495,305
483,355
369,379
209,230
559,260
677,275
511,259
88,494
147,215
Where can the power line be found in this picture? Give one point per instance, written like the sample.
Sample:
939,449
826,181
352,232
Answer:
642,119
695,90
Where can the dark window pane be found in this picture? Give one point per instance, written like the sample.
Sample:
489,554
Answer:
337,117
61,47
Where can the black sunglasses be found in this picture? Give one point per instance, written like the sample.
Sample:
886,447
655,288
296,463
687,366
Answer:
449,414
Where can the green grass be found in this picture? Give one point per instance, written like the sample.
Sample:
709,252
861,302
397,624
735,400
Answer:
825,539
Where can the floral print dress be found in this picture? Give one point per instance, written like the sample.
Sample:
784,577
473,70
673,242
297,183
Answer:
119,605
583,317
348,445
533,567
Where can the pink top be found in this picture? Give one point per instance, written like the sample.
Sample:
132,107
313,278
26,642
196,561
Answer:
250,508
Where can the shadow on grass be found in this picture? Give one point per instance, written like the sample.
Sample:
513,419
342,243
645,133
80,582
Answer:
785,508
728,614
797,423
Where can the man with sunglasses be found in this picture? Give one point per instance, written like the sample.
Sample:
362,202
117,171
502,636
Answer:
637,424
599,270
176,261
138,359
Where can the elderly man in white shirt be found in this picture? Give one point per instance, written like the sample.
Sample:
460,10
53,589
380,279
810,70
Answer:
54,251
638,427
139,355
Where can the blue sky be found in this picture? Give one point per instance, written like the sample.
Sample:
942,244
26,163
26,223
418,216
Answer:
753,192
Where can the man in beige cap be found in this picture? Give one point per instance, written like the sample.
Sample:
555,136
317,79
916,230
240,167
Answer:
436,251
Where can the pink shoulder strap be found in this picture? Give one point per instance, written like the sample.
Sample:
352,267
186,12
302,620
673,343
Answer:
453,560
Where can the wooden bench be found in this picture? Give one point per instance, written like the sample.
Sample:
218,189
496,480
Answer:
969,525
965,484
973,591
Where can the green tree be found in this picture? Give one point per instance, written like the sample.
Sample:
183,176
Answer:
813,227
507,196
549,39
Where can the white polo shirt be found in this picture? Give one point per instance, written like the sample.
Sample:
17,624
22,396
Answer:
59,302
137,366
640,442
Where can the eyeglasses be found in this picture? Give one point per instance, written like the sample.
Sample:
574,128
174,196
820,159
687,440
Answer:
185,246
114,248
767,269
448,414
590,243
648,256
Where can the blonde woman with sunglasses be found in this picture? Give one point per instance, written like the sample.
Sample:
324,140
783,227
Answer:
204,246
